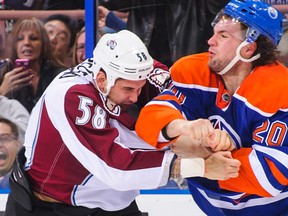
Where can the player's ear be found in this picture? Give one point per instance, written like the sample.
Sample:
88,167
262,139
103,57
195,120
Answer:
248,50
101,81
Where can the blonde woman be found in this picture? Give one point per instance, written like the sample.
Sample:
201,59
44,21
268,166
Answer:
29,40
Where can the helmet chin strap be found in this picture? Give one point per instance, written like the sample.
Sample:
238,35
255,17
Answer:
96,69
109,105
237,58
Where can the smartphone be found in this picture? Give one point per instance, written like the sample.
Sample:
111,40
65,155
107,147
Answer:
22,63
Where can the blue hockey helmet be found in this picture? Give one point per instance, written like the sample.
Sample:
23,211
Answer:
260,17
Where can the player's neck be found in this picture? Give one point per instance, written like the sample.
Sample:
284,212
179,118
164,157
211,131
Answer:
234,78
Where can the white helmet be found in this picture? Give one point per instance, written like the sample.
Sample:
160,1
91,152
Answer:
122,55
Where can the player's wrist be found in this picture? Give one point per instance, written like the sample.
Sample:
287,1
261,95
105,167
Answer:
192,167
165,135
175,170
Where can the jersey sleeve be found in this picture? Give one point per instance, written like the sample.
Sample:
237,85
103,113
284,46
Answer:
156,115
264,166
263,171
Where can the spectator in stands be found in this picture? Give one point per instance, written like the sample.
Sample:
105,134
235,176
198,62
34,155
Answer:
61,30
9,146
13,121
111,21
29,40
10,111
79,47
14,111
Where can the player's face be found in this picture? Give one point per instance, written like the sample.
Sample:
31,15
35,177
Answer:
8,148
227,37
126,92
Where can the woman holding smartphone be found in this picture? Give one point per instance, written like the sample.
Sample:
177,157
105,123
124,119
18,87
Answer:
36,66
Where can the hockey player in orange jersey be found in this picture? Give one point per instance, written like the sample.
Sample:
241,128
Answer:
240,87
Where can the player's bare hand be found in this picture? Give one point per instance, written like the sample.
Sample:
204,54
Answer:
222,141
184,147
221,166
198,129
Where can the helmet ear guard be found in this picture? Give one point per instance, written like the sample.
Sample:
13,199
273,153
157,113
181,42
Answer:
122,55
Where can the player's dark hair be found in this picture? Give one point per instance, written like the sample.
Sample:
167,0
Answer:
66,20
268,51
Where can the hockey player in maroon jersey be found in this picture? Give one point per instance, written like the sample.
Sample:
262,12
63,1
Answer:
82,154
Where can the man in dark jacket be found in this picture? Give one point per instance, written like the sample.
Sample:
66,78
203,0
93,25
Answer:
170,29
